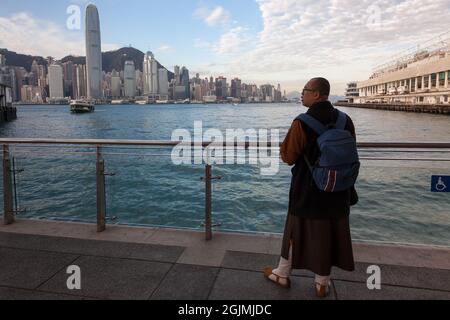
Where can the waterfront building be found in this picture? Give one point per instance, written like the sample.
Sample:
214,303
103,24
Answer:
197,92
352,91
417,77
267,93
150,74
205,87
176,71
38,76
55,79
8,77
116,86
184,81
93,53
197,79
129,79
236,88
35,74
278,95
139,82
32,94
221,88
163,83
69,76
21,76
179,93
212,86
80,83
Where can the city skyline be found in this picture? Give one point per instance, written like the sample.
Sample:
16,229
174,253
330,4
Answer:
263,41
55,81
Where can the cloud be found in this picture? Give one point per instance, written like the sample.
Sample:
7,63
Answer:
232,41
24,33
338,39
165,48
202,44
213,17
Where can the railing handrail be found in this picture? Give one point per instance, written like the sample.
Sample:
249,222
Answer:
168,143
9,188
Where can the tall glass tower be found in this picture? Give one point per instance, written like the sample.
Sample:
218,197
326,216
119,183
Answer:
93,53
150,74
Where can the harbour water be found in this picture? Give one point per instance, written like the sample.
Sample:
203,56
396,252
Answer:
396,204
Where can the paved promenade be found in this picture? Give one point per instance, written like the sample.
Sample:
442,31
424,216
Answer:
151,263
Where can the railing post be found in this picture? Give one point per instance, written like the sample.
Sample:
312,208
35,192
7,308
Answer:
208,232
8,214
101,202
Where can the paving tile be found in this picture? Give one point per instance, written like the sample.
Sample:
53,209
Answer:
202,255
249,285
358,291
255,262
34,267
112,278
248,261
424,278
22,294
186,282
29,268
93,247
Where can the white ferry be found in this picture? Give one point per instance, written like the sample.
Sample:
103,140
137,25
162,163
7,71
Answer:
81,106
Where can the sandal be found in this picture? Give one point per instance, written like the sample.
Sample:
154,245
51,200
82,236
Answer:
321,290
268,272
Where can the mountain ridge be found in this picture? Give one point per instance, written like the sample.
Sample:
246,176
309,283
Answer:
114,59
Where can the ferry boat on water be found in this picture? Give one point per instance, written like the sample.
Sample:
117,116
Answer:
186,101
81,106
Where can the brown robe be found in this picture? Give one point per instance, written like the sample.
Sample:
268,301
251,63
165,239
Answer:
317,244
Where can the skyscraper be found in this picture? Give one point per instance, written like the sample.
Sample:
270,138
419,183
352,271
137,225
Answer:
176,71
150,71
55,79
129,79
139,82
79,87
221,88
163,84
93,53
236,88
38,78
184,79
69,76
116,86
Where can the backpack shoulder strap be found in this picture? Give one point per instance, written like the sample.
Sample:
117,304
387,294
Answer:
314,124
341,120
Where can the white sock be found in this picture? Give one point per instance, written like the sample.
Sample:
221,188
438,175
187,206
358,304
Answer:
283,270
323,280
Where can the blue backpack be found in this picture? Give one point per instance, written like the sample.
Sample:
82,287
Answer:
338,165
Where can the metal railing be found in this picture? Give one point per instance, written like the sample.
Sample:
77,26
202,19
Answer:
10,207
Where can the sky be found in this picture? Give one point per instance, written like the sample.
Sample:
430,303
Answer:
258,41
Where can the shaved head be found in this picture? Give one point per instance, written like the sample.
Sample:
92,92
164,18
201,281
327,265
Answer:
322,86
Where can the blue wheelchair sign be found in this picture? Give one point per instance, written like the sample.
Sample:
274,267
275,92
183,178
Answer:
440,183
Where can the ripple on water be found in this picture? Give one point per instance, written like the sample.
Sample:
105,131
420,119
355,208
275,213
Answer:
395,202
